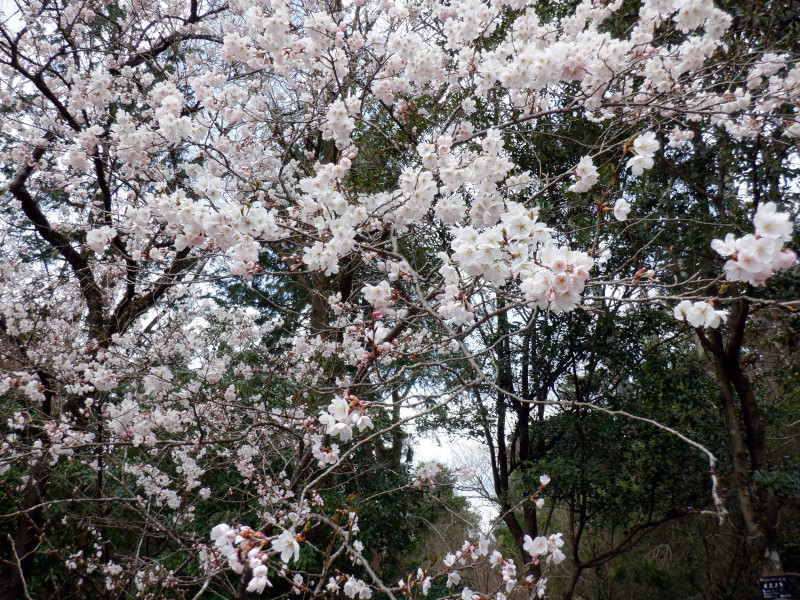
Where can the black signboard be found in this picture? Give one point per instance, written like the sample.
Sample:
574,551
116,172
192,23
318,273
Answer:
780,587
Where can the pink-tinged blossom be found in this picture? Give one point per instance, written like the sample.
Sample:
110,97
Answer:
755,258
495,558
536,546
426,475
286,545
725,247
466,473
338,125
380,296
356,588
223,534
560,279
100,239
678,137
297,584
216,162
771,223
509,572
586,175
554,544
259,580
699,314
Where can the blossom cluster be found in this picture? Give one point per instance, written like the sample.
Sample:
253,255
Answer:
545,546
472,552
586,175
426,475
755,258
645,147
343,414
699,314
244,546
100,239
246,160
558,279
518,246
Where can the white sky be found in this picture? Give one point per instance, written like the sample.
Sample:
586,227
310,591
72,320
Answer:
455,451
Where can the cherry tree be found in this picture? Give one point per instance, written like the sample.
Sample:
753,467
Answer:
372,171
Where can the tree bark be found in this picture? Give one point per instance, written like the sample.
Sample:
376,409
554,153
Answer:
748,452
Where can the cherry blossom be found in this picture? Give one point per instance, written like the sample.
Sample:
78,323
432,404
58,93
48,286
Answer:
586,174
699,314
370,165
286,544
755,258
100,239
622,209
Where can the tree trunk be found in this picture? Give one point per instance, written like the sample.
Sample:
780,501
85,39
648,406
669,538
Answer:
748,452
